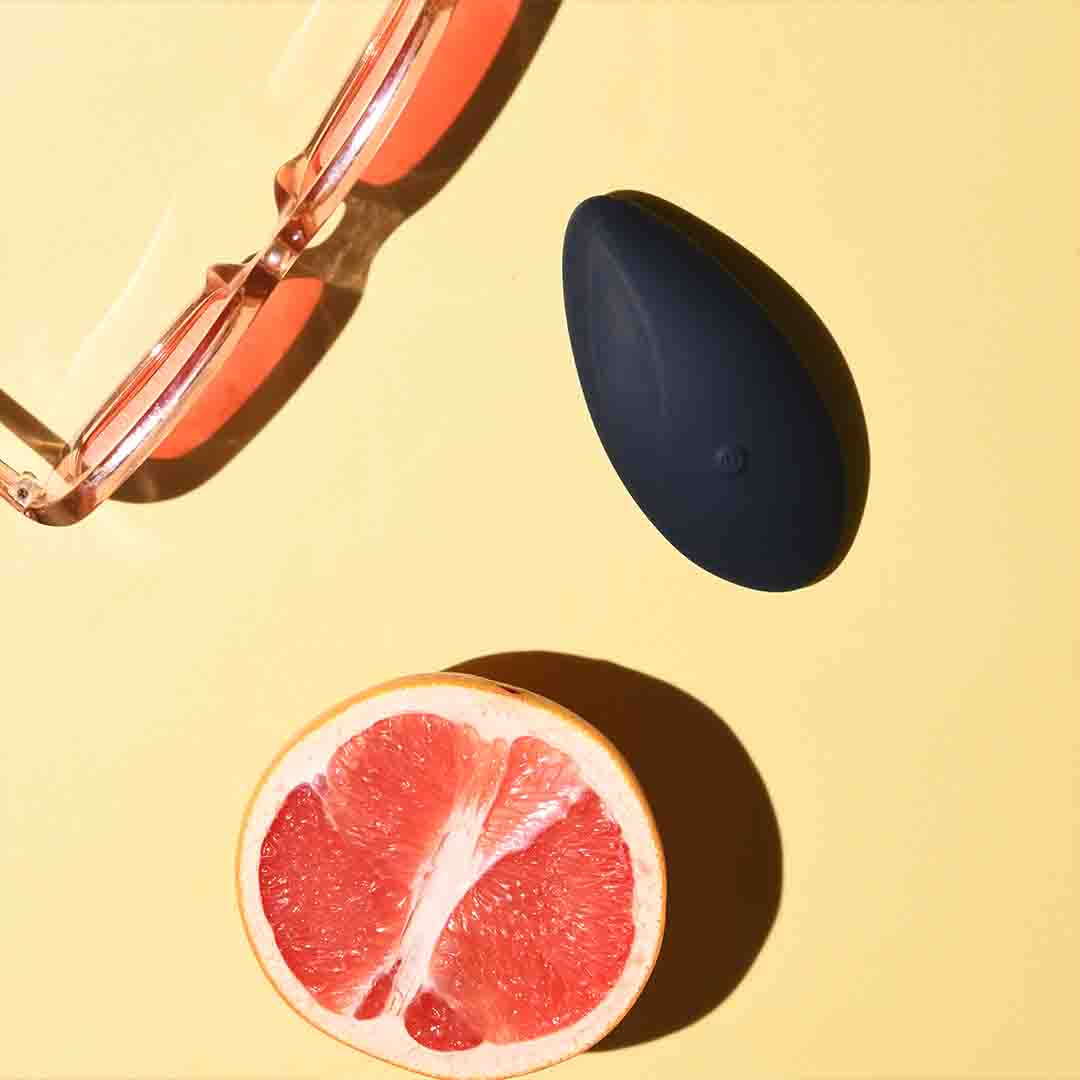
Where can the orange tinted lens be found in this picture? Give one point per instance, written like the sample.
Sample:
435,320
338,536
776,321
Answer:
471,42
255,356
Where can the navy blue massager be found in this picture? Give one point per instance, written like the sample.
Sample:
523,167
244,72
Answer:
702,404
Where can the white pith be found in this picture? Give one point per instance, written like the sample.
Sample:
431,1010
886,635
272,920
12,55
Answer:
453,869
493,714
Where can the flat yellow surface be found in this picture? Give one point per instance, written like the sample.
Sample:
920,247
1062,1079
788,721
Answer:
434,492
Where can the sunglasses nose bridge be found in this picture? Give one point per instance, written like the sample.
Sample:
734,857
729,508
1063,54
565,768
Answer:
287,183
283,251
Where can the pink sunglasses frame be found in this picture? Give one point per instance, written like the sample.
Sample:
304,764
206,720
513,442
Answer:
164,385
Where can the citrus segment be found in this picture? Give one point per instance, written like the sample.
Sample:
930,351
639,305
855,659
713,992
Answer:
376,998
543,935
316,890
538,788
432,1022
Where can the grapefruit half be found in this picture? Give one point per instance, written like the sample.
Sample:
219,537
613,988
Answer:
455,876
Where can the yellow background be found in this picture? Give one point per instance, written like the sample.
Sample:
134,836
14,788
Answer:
435,492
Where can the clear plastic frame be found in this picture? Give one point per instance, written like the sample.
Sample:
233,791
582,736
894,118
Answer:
160,408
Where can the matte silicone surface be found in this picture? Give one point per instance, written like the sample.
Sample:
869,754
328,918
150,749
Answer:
703,406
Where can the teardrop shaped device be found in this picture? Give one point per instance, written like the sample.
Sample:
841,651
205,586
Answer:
702,404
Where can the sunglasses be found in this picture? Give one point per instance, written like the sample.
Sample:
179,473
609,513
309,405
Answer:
418,70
